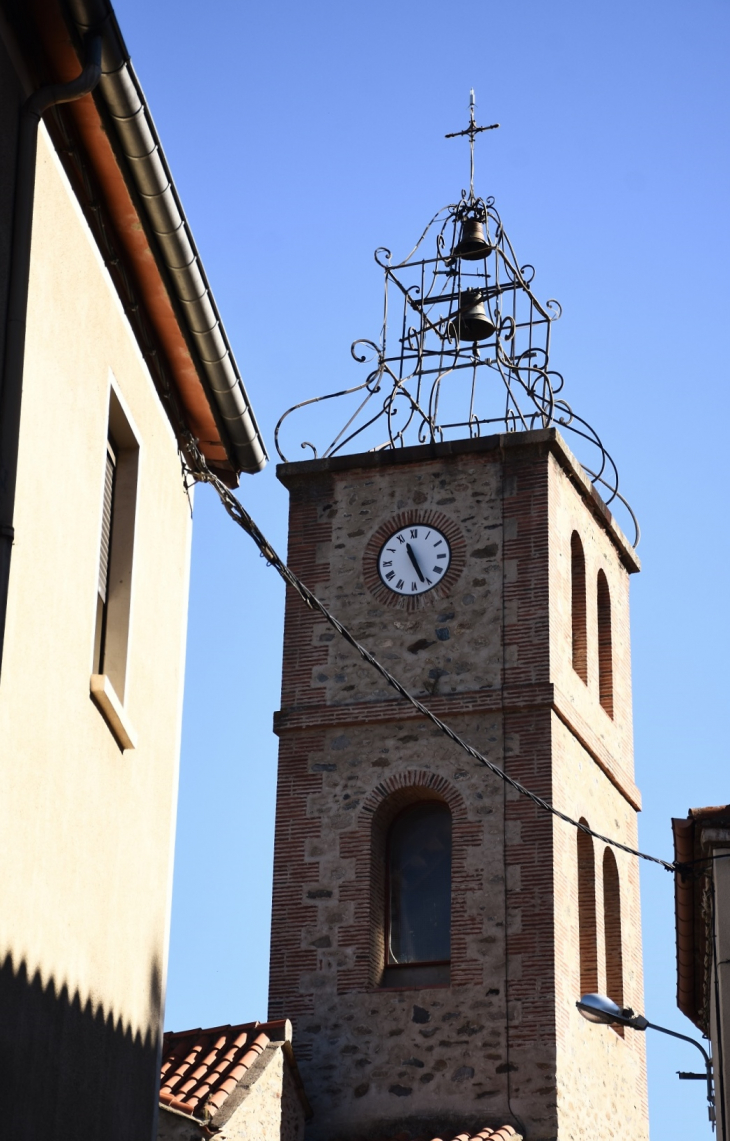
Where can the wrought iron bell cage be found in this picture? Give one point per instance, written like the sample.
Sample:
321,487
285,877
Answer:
464,348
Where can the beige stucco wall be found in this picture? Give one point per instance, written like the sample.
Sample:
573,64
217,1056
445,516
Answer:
88,830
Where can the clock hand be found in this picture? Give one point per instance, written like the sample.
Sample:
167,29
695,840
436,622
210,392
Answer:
413,559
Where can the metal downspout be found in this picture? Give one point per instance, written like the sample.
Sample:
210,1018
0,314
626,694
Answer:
11,381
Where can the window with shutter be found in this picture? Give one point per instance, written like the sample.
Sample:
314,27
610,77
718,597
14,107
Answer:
116,549
104,555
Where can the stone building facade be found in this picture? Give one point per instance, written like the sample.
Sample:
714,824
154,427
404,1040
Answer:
524,651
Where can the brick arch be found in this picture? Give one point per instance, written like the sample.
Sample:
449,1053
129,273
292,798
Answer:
605,646
398,790
365,843
612,930
578,607
587,924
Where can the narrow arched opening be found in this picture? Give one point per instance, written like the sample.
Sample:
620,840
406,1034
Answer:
605,646
612,930
417,896
578,607
587,928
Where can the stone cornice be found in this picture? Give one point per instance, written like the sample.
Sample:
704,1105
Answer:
502,444
516,699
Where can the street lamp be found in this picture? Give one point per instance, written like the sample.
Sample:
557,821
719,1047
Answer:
604,1011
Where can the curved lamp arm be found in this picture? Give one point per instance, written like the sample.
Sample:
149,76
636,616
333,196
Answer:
603,1011
674,1034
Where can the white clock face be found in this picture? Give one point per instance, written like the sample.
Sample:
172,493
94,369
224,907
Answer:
414,559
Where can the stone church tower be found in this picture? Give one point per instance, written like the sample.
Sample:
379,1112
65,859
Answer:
429,1003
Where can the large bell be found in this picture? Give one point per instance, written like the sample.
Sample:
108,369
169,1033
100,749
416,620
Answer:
472,322
472,243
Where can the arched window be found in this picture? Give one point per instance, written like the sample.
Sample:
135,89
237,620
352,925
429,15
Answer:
587,914
605,651
418,896
578,606
612,930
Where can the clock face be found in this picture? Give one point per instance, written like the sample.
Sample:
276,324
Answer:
414,559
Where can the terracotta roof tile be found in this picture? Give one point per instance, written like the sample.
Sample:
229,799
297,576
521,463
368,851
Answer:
503,1134
200,1068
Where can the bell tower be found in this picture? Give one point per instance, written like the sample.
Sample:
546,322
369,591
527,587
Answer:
432,928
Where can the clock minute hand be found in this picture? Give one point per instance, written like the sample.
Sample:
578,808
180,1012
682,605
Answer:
414,560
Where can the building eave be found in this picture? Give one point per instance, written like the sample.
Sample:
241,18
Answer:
120,145
695,838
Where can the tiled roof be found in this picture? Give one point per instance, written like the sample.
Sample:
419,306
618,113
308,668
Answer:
200,1068
505,1133
502,1134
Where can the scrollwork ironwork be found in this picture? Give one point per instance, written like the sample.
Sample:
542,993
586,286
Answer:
428,382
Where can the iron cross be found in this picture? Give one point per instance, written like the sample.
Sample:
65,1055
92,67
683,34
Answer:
472,131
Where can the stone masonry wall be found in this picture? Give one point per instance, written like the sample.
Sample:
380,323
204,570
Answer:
492,1046
602,1076
269,1107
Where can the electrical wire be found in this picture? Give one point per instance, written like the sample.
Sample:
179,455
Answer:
200,471
195,465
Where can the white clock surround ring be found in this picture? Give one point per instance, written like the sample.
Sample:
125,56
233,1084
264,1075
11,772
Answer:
414,558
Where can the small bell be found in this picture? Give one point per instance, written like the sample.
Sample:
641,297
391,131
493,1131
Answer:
472,323
472,243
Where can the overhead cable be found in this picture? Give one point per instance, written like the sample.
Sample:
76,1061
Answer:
201,472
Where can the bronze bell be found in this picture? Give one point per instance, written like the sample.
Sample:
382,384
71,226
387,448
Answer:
472,322
472,243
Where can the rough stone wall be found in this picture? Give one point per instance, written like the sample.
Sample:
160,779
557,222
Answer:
611,739
526,697
601,1075
176,1127
269,1108
267,1112
491,1046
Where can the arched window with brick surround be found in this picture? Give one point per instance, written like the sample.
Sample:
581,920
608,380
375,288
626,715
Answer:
612,929
389,821
417,896
587,931
578,607
605,649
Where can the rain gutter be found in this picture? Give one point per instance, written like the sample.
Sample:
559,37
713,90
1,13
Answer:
176,249
684,910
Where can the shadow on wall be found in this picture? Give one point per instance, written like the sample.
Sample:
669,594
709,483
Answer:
69,1071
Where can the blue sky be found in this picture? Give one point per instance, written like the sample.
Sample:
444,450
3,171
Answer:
302,137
